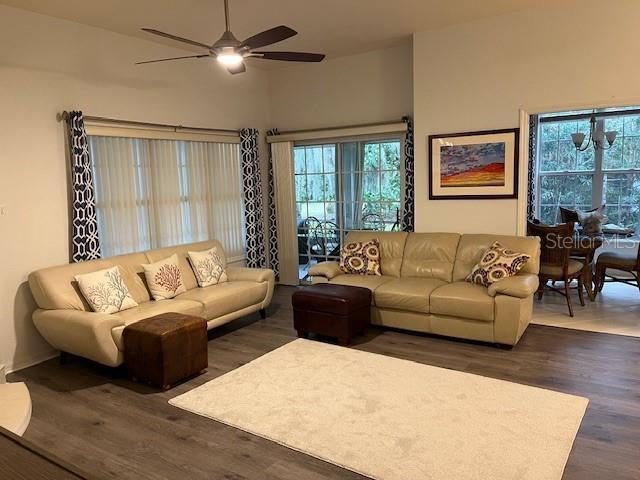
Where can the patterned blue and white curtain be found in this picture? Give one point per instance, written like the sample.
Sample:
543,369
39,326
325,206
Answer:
531,165
272,226
252,195
408,209
85,243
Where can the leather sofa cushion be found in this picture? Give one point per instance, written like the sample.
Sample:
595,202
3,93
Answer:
56,288
463,299
227,297
430,255
411,294
472,247
372,282
151,309
391,248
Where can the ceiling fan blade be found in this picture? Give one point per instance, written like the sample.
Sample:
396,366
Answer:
235,69
268,37
291,56
176,38
172,58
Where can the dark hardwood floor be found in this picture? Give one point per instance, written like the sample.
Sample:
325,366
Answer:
104,424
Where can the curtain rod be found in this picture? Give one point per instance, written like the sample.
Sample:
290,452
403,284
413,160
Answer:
341,127
65,116
582,116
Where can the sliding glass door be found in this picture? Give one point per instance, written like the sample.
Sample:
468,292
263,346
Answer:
343,186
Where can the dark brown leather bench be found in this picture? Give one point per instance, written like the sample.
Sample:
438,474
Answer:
165,349
340,311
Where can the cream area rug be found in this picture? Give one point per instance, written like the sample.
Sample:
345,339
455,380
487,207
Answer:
388,418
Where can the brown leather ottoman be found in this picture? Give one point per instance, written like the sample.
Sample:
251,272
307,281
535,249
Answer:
338,311
166,349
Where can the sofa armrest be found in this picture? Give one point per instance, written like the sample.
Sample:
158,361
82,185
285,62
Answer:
250,274
87,334
327,270
520,286
260,275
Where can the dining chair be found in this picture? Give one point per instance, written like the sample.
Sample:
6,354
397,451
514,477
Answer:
329,239
626,260
556,263
585,248
372,221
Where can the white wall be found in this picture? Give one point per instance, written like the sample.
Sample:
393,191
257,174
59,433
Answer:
365,88
477,76
49,65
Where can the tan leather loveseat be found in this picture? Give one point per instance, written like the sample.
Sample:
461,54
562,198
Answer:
66,321
423,288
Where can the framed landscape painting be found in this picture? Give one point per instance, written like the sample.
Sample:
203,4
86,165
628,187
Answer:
474,165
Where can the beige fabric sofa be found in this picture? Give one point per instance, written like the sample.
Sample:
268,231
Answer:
423,287
66,321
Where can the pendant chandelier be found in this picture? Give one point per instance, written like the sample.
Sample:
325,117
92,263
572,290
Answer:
597,137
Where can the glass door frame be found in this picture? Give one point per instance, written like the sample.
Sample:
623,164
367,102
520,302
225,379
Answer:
338,145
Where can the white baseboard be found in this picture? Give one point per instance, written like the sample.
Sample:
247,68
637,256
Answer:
33,360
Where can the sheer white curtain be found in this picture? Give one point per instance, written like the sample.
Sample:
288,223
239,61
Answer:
163,192
283,176
214,197
155,193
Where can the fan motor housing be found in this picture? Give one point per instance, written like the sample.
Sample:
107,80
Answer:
226,42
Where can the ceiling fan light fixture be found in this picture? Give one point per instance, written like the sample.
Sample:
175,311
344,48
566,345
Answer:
231,52
230,59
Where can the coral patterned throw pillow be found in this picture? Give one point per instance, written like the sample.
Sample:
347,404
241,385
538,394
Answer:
164,278
208,266
105,290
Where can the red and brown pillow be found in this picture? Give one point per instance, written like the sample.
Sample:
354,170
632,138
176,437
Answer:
164,278
497,263
361,258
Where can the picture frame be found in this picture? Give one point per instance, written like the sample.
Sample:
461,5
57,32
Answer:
474,165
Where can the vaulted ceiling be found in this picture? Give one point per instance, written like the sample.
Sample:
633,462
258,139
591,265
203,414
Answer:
333,27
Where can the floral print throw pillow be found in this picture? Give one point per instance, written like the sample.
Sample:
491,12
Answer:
361,258
497,263
164,278
208,266
105,291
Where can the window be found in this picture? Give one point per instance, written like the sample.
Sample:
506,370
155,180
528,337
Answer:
582,180
155,193
342,186
621,172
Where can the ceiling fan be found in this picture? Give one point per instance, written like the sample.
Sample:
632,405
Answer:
231,52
